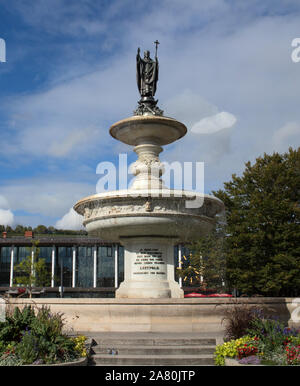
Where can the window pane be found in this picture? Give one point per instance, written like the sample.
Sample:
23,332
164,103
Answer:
84,267
105,268
121,264
46,254
4,266
64,259
176,262
20,254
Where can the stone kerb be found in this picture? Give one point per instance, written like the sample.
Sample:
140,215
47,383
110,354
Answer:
79,362
152,315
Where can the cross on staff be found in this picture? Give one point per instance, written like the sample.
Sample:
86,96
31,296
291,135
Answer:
156,45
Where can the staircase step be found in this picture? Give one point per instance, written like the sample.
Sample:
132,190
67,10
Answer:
111,342
154,360
155,350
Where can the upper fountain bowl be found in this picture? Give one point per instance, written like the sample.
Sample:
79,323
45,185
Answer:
140,129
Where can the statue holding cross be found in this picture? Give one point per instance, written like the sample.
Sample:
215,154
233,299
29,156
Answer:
147,77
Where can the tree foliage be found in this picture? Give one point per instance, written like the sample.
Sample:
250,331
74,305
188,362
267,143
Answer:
263,220
205,265
32,271
20,230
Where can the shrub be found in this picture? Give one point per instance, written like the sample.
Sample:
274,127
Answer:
10,360
293,353
28,349
272,333
229,349
265,341
238,318
249,349
2,347
80,345
28,337
47,324
16,322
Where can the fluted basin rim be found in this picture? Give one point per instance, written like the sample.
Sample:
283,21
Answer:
155,193
132,130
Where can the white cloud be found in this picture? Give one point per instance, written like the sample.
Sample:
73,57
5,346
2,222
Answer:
188,107
71,142
62,17
285,136
6,215
71,119
200,116
47,196
71,221
214,123
3,202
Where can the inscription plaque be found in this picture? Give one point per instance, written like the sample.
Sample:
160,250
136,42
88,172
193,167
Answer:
149,262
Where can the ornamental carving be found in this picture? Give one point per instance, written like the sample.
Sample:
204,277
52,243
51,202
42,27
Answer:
100,208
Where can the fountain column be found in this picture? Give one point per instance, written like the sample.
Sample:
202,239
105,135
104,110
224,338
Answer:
149,268
149,257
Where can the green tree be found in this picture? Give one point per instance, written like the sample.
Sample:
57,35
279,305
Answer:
206,263
263,226
19,229
41,229
51,230
9,229
32,271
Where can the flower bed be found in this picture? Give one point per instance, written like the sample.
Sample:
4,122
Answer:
36,338
268,342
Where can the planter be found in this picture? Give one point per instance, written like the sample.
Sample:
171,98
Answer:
234,362
79,362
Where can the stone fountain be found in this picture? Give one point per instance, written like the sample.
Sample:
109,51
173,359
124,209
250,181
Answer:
149,218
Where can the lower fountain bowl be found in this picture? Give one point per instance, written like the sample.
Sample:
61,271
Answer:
168,213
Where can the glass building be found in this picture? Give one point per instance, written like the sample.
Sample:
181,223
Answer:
79,266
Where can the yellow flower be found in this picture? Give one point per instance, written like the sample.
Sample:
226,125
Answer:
80,345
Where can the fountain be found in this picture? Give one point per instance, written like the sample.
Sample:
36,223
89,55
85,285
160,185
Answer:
149,218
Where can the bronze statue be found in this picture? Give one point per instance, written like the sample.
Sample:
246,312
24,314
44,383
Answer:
147,74
147,77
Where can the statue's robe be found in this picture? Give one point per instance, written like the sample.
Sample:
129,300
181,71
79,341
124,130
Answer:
147,76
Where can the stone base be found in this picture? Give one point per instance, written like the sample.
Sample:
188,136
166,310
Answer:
149,269
134,290
153,315
133,315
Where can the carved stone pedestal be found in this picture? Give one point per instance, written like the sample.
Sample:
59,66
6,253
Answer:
149,268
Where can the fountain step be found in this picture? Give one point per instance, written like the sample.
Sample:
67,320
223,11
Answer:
154,360
111,342
155,350
158,351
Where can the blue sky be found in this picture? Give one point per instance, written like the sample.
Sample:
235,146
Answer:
225,71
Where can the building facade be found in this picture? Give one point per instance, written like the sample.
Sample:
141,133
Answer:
80,266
